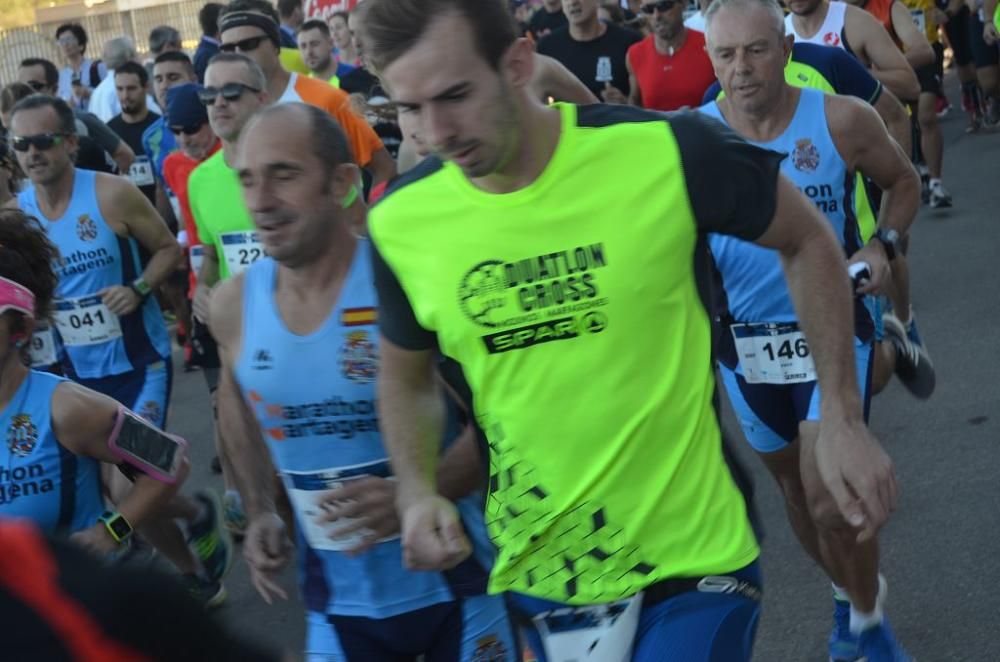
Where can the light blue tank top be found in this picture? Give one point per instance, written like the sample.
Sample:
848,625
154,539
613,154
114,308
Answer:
93,257
314,399
39,479
752,276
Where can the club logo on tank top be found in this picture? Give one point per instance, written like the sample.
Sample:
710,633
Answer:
535,300
805,158
831,39
86,228
22,435
490,649
358,358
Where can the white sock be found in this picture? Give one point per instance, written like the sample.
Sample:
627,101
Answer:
861,621
840,593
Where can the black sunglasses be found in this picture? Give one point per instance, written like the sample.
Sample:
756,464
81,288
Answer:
661,6
229,92
41,141
244,45
189,130
36,85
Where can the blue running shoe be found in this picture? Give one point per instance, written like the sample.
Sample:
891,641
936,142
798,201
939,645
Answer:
843,644
879,644
913,365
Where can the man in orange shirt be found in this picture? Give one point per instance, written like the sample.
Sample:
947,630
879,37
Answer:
251,28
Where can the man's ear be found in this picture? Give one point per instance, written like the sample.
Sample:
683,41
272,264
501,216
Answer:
518,63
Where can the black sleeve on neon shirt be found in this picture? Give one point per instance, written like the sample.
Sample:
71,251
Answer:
396,319
732,184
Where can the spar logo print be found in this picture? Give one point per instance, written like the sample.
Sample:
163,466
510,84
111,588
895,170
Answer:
86,228
831,39
22,435
805,158
534,300
358,358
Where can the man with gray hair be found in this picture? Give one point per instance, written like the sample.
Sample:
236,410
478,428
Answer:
764,355
164,38
104,99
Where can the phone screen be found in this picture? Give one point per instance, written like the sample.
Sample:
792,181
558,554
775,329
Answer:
146,443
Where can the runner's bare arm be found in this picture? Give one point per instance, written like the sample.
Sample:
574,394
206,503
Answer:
897,122
854,468
164,208
412,417
875,47
552,79
239,432
990,32
634,95
123,156
130,214
382,168
865,145
460,472
208,276
916,48
82,421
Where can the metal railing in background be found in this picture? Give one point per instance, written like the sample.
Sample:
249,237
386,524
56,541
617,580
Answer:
40,40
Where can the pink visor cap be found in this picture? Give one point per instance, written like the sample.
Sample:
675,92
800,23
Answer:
14,296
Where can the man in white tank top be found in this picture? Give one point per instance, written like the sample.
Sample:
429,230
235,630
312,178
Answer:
856,31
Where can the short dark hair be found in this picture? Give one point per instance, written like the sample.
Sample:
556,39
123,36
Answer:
392,27
27,256
340,14
11,94
67,120
175,56
51,72
287,7
329,143
134,68
163,35
208,18
78,32
259,6
316,24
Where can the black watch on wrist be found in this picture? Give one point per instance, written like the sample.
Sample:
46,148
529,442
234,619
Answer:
890,241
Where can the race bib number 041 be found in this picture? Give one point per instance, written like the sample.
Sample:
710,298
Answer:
240,250
773,353
86,321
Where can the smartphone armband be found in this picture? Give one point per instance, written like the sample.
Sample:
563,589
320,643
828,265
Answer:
140,444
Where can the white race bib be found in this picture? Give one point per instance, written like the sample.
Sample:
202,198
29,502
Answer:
599,633
86,321
773,353
919,19
240,250
140,172
196,255
305,489
43,347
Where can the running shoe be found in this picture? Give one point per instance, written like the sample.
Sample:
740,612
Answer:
941,107
939,197
209,538
913,365
843,645
879,644
207,592
236,519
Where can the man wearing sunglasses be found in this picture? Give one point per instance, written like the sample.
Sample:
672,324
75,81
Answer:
592,50
250,27
42,76
669,69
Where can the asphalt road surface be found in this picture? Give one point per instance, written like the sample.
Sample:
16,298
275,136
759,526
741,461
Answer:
939,551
